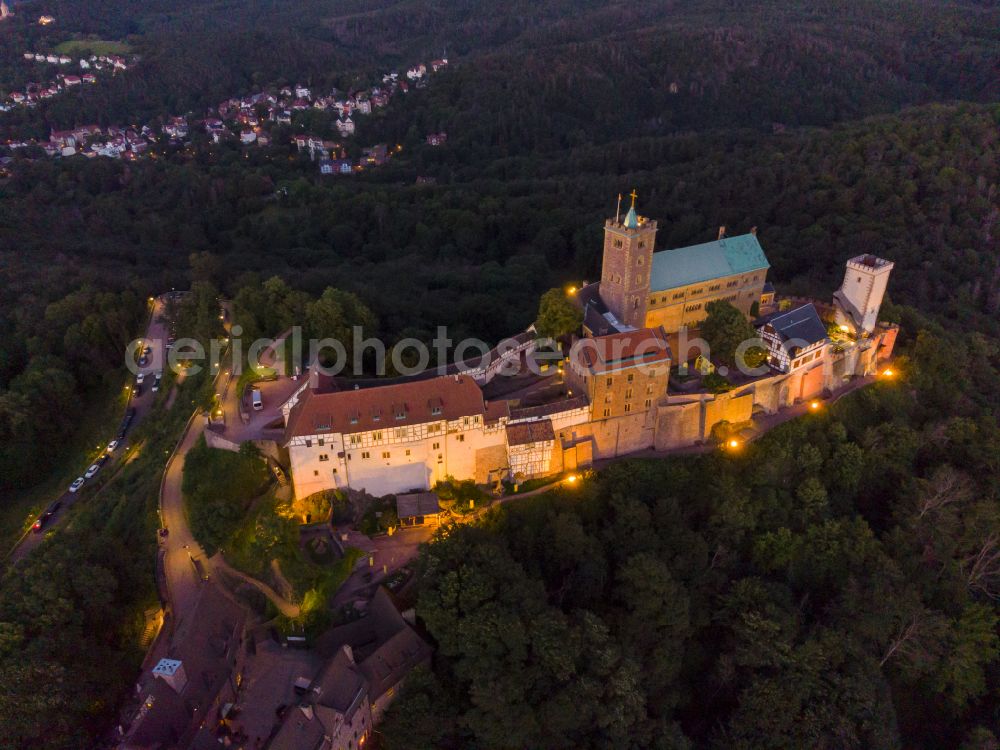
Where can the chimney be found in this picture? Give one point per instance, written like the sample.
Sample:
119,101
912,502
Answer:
753,231
722,232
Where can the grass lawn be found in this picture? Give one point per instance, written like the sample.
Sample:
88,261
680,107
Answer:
94,46
97,425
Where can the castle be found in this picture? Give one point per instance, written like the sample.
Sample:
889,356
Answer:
625,388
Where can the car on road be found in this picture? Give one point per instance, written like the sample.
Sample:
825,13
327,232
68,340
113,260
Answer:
77,484
126,421
140,377
46,516
156,382
92,471
101,460
111,446
258,400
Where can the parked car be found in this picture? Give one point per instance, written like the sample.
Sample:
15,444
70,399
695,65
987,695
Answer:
112,446
102,459
77,484
140,377
92,471
46,515
156,382
258,400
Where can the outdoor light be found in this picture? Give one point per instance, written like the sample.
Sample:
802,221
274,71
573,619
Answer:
888,372
571,291
814,405
733,443
844,328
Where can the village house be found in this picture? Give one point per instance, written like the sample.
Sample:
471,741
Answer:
345,127
437,139
369,660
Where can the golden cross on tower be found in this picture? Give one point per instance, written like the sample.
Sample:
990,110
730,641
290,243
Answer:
634,196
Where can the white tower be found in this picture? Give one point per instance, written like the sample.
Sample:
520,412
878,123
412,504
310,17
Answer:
860,296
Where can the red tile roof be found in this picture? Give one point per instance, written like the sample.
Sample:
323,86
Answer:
618,351
414,402
524,433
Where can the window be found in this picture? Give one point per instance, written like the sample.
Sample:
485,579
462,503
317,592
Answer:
355,439
649,388
638,278
714,288
465,421
630,377
435,410
608,398
628,408
638,261
628,393
315,473
678,295
649,403
309,443
324,457
320,442
334,471
642,243
461,438
407,451
386,454
608,382
436,446
607,412
365,454
377,435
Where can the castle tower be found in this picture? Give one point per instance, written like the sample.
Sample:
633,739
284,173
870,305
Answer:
859,298
626,265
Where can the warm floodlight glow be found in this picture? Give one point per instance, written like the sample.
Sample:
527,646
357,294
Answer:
888,372
814,405
733,443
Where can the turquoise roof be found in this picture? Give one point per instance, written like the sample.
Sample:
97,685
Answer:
631,220
710,260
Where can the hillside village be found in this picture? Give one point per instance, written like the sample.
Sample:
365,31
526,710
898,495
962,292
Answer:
251,120
91,68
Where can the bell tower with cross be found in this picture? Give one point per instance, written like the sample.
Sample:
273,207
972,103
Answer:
626,265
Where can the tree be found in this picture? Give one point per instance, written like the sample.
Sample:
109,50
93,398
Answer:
558,315
725,329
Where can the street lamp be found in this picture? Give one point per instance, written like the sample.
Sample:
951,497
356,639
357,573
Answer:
814,405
